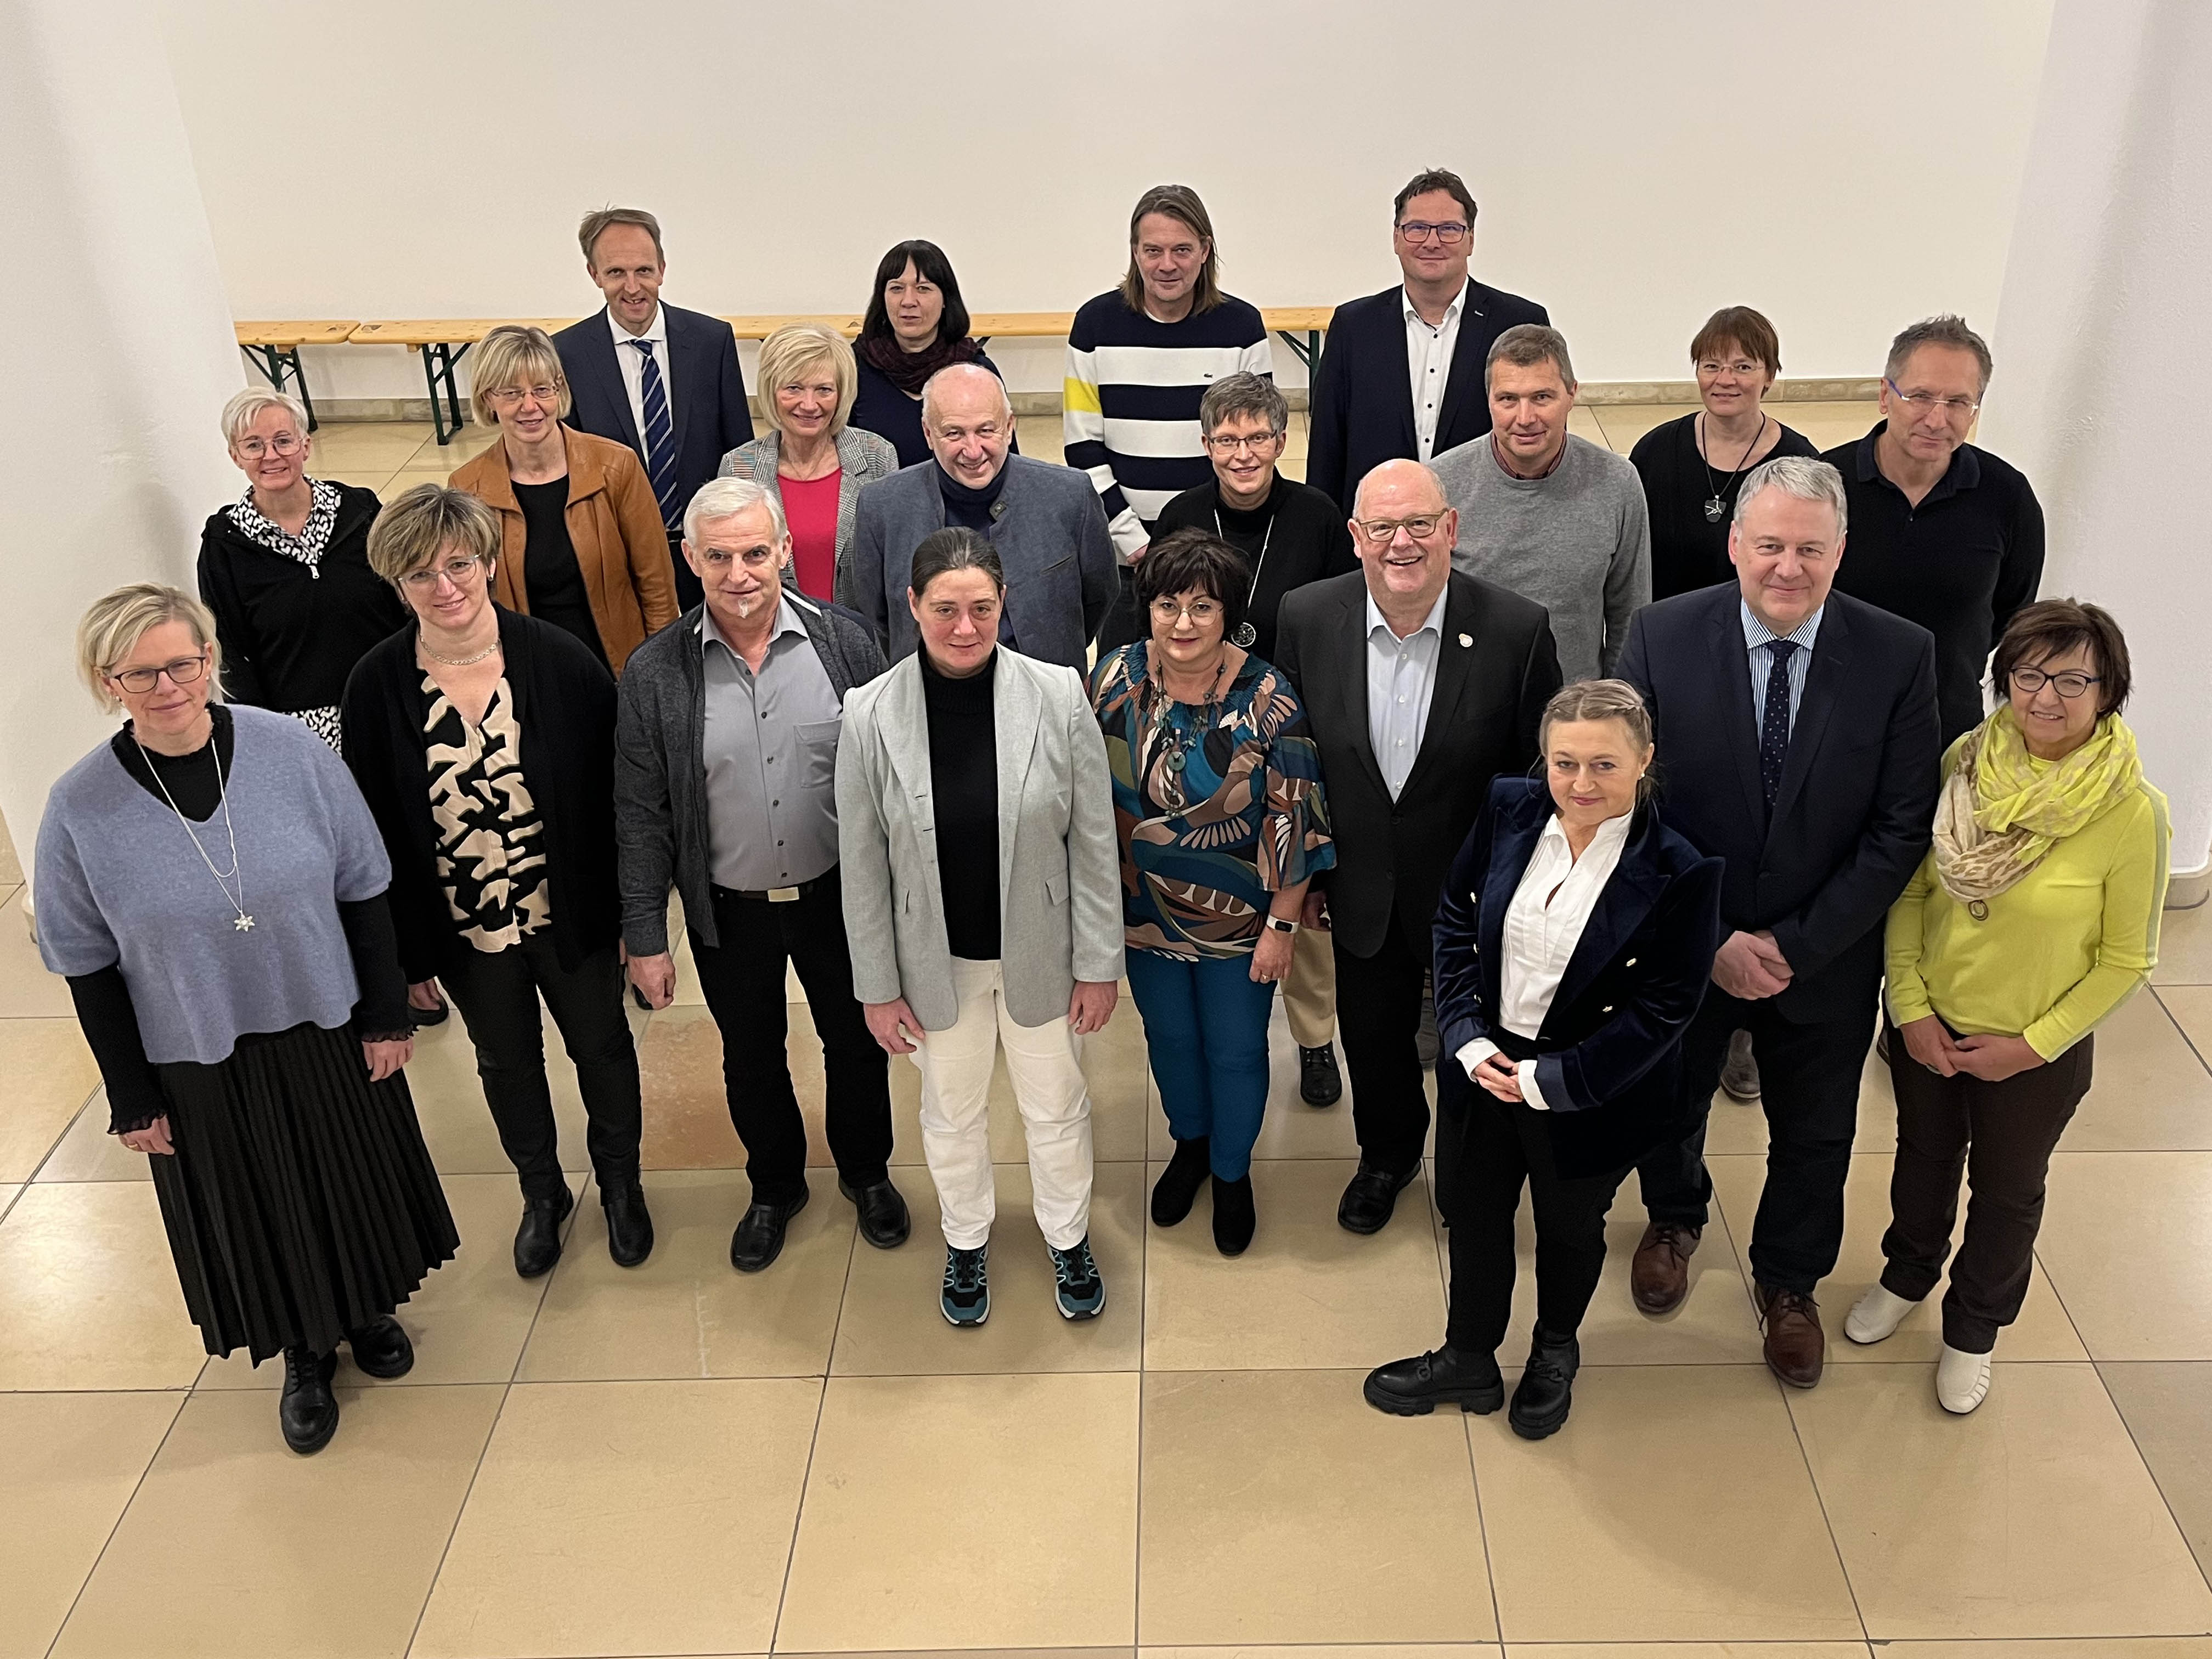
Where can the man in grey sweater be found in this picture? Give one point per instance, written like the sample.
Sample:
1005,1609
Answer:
1552,516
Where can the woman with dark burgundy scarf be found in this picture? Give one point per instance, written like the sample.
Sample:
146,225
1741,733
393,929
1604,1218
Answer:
916,324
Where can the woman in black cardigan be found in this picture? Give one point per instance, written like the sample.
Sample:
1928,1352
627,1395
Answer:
483,741
1574,940
285,570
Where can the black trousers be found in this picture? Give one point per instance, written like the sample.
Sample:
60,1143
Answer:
689,591
1809,1083
497,994
743,981
1504,1145
1378,1010
2000,1136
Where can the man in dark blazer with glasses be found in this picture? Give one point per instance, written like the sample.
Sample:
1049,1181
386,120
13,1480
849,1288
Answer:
1419,686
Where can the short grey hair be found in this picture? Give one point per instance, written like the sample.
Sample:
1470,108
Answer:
248,406
929,386
1805,477
1243,393
725,498
1526,344
1948,330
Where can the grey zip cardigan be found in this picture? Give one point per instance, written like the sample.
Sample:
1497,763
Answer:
660,769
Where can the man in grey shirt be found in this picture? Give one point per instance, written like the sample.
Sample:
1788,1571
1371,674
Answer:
1553,517
726,763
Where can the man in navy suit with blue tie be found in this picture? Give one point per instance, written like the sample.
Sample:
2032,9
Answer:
664,381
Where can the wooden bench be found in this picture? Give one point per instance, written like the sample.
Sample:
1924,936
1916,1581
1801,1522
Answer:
443,342
273,348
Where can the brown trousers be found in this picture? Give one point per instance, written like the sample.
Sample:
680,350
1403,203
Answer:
2000,1136
1309,989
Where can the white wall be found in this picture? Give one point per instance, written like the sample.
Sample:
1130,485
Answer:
1845,168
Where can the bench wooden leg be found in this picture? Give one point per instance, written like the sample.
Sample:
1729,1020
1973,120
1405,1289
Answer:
438,361
1307,351
275,362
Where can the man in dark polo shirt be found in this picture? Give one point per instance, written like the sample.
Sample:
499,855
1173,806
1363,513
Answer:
1943,533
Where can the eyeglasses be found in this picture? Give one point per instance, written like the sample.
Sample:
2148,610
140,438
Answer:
1255,441
1384,530
456,571
285,443
184,670
1451,235
508,396
2029,681
1170,612
1920,403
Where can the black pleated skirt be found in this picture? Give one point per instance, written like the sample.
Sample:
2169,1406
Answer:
302,1202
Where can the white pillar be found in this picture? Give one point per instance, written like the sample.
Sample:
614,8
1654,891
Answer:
119,357
2104,359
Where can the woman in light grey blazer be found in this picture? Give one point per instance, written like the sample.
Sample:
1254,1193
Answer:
809,456
982,899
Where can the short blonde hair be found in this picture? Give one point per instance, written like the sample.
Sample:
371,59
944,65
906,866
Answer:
791,351
247,407
515,355
116,623
413,530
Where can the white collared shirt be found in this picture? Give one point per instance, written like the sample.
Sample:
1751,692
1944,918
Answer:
1402,680
1542,926
633,367
1428,364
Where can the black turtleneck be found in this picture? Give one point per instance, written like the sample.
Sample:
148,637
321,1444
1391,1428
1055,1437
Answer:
963,774
970,509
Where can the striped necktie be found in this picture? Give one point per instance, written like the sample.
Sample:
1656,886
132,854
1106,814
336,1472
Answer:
660,439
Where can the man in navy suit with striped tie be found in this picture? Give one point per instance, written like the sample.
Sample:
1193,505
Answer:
664,381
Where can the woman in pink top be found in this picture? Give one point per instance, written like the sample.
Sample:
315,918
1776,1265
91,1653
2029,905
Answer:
809,456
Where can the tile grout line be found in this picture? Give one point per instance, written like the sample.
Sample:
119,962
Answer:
108,1542
506,1393
2174,1020
1827,1522
813,1441
2157,1485
1144,1373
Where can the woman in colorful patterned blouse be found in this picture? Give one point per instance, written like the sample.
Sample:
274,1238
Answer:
1218,801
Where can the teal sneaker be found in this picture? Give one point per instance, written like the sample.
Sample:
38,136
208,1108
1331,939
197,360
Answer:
1076,1287
967,1296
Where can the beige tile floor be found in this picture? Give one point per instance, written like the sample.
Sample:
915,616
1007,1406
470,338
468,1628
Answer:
679,1460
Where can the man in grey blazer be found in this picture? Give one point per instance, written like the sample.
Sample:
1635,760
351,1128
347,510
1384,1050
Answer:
1044,521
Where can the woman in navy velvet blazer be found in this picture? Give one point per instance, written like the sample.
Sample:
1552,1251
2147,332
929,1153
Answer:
1574,940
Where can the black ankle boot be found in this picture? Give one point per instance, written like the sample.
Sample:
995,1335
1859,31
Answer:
307,1411
1415,1387
381,1349
537,1240
1233,1216
1176,1190
1546,1393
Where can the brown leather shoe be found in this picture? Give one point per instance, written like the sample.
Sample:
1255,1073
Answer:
1659,1277
1796,1349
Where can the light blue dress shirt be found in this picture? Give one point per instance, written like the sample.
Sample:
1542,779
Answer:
1402,680
1756,637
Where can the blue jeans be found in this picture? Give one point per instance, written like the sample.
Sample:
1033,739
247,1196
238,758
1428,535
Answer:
1206,1025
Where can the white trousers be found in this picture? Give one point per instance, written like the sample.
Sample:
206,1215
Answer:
1045,1063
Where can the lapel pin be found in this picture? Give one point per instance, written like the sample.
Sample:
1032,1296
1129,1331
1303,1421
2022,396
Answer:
1467,642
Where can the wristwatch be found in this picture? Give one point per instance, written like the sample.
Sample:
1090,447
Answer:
1283,924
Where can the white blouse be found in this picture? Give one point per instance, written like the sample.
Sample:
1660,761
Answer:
1542,926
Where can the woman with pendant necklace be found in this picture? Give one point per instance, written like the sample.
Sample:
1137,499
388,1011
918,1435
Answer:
483,741
1218,802
1692,468
1291,534
214,888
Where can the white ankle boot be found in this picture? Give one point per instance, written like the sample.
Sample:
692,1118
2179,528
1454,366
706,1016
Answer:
1876,1314
1961,1380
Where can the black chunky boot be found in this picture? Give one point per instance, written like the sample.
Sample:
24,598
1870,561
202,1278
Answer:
1176,1190
307,1411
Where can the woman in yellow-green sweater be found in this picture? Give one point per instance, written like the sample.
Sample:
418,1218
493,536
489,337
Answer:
2035,915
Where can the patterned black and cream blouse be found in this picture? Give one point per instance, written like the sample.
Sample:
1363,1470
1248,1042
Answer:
307,548
492,847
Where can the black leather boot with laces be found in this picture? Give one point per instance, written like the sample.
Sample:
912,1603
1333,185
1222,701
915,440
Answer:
308,1412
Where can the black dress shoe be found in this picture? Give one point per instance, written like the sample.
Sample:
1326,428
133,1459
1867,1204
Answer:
382,1350
1233,1216
1415,1387
537,1240
1370,1196
419,1018
884,1222
759,1237
630,1223
1176,1190
1320,1084
307,1411
1545,1394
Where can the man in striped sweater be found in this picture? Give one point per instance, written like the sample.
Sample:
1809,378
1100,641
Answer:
1138,360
